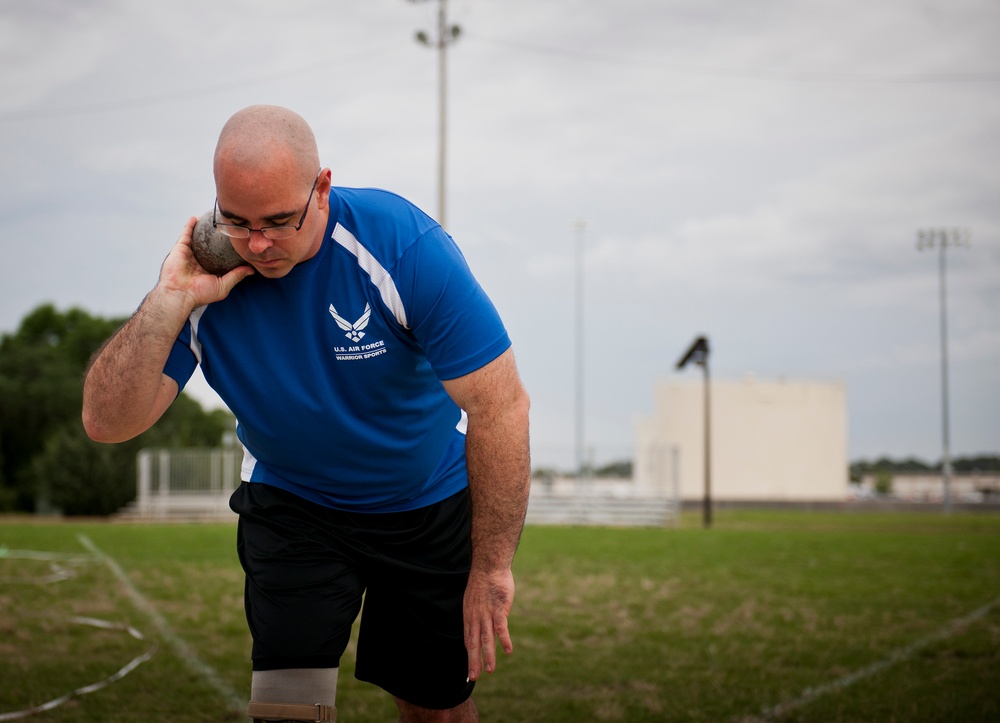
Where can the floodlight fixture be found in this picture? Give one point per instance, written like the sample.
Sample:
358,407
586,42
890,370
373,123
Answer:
697,353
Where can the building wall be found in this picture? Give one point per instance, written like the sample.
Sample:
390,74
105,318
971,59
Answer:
770,440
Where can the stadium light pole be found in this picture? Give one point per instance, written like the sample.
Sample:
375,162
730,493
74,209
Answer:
580,226
447,34
941,239
697,353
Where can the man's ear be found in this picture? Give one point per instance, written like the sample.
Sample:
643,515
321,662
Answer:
323,187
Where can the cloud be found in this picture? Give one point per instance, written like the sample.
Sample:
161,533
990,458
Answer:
75,36
757,172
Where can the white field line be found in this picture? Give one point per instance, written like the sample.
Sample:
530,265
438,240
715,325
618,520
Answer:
56,702
897,656
43,555
187,655
83,690
59,572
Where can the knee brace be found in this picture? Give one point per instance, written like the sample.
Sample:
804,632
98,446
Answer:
292,695
291,712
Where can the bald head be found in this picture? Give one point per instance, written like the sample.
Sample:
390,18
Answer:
261,136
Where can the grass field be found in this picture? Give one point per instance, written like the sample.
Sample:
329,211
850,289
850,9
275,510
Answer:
769,616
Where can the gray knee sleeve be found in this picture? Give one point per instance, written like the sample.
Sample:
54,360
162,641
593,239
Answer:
301,694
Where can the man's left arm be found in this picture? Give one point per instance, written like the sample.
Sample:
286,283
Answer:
498,461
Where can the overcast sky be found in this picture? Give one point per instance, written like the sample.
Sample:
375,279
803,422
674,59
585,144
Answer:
756,172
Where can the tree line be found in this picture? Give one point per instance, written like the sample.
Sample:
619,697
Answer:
910,465
46,459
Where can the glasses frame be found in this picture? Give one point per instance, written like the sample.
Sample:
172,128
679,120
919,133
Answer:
245,231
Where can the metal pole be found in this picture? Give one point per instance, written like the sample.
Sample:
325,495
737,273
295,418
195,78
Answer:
943,238
698,353
442,108
945,434
707,505
580,226
446,34
675,480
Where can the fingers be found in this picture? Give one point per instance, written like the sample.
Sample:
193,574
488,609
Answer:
481,646
489,651
486,611
186,233
231,278
503,634
180,257
182,274
473,645
479,642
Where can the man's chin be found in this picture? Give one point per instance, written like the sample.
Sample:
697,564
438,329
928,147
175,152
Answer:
272,269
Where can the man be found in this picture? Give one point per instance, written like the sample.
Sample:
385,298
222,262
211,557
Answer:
384,425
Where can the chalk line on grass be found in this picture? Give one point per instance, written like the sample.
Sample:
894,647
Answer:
83,690
58,572
897,656
180,647
6,552
56,702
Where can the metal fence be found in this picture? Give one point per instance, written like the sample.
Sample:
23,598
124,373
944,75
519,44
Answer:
196,483
190,482
600,509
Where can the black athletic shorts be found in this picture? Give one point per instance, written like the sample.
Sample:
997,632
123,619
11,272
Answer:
308,567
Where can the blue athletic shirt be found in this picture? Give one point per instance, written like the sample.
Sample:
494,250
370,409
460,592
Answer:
333,371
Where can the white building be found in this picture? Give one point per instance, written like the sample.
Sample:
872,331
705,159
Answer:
780,440
964,487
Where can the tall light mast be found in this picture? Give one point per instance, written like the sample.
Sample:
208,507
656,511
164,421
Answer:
941,239
447,34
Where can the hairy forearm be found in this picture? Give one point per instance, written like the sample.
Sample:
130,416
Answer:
125,390
499,466
123,382
498,460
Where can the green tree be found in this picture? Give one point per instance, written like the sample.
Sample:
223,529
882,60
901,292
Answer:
81,477
44,452
621,468
883,481
981,463
41,367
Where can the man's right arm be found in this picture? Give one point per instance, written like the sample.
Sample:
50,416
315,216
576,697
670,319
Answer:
125,390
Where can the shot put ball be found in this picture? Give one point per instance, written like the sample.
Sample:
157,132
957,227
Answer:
212,249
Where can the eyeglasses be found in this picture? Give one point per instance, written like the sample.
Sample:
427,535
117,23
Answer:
274,233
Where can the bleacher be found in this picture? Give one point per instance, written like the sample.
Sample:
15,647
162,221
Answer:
195,484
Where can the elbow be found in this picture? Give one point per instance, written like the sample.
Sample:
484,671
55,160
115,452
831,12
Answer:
95,430
522,404
514,415
100,431
516,404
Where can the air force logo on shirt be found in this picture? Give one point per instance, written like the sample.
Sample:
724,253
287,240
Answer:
355,332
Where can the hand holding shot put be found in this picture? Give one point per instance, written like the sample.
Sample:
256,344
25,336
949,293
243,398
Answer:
383,422
203,263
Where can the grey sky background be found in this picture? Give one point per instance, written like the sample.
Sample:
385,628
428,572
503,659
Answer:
756,172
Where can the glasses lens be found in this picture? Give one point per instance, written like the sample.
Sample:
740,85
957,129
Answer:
232,231
276,233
